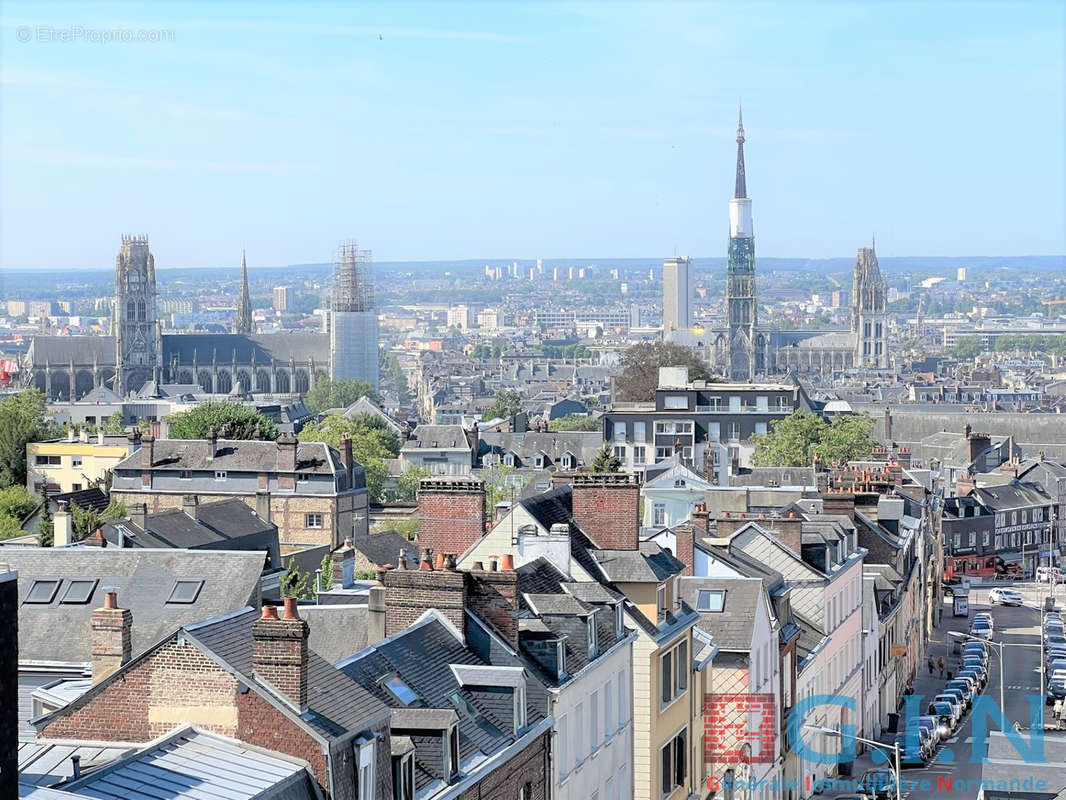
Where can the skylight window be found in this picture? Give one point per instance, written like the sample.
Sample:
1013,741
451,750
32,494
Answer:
42,591
79,591
400,690
712,600
185,592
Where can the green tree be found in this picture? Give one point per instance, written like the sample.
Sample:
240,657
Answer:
230,420
46,528
407,483
10,527
114,424
606,461
22,420
640,369
372,443
966,347
295,583
507,404
325,573
17,502
327,394
499,486
793,440
85,521
575,422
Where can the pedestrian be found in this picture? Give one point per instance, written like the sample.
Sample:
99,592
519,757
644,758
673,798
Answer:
930,665
940,665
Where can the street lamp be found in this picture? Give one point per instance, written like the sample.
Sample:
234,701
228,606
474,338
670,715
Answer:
871,742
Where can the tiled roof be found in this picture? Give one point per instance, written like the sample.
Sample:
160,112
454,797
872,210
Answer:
236,455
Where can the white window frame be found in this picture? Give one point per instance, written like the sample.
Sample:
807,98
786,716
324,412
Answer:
673,678
220,474
310,518
619,431
675,402
365,770
590,624
639,455
658,514
519,708
640,431
676,743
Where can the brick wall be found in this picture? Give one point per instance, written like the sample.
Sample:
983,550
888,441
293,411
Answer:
493,597
409,593
506,781
451,514
261,724
685,544
606,509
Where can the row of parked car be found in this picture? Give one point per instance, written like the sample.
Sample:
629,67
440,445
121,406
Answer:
1054,657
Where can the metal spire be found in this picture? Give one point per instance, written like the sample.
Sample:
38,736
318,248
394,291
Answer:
741,187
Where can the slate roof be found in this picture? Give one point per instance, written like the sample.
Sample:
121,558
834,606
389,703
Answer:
60,350
236,455
424,436
734,626
650,564
216,523
553,444
93,498
263,347
1013,495
199,766
144,579
774,476
336,704
336,631
420,656
384,548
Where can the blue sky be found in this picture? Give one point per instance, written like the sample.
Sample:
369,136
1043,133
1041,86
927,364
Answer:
493,130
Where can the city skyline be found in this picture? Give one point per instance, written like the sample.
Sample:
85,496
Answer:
538,131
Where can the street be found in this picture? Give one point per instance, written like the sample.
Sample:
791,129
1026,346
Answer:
1018,628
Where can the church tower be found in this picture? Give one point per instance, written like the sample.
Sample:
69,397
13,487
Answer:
869,307
744,359
244,302
138,346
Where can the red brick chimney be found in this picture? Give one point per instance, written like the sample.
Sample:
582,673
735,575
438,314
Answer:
451,513
212,442
112,642
493,597
977,443
789,530
685,543
286,453
346,457
841,503
410,593
147,459
605,507
279,652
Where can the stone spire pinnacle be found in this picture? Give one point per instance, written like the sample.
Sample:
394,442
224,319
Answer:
244,301
742,186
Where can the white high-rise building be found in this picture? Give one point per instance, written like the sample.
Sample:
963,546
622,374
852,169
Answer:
678,283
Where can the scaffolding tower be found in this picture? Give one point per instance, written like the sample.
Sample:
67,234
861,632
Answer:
353,289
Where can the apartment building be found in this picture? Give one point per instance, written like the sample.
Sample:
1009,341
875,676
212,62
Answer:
76,462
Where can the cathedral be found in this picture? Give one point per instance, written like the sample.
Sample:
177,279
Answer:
743,351
139,356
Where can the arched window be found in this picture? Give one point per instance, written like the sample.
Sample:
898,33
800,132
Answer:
131,310
140,311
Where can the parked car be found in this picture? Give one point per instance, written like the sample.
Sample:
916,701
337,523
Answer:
978,674
967,686
1006,597
955,699
878,783
1053,666
981,629
1057,675
931,724
1056,690
945,713
910,751
972,661
977,652
1053,639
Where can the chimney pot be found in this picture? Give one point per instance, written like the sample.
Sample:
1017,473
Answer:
493,563
401,562
111,600
291,611
427,560
438,561
507,562
269,612
479,566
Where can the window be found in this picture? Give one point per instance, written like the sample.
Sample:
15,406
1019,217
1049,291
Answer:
620,454
623,713
185,474
75,461
453,754
594,721
564,763
220,474
185,592
1038,515
658,514
673,672
538,461
973,539
1014,518
984,539
312,520
1001,519
403,777
640,431
673,763
712,600
590,623
638,455
619,431
398,689
75,487
608,710
619,620
365,766
47,461
519,700
660,599
676,402
715,403
663,453
760,428
79,591
42,591
1023,517
579,734
734,431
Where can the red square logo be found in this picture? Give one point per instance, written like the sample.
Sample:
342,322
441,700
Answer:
740,727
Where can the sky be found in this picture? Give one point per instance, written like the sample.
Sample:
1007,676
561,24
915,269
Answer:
523,130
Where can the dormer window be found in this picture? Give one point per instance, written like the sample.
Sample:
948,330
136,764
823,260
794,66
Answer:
660,600
538,461
519,709
619,620
590,623
509,459
403,777
560,658
364,765
451,754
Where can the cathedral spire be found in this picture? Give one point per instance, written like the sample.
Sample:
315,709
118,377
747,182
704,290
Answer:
742,187
244,301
